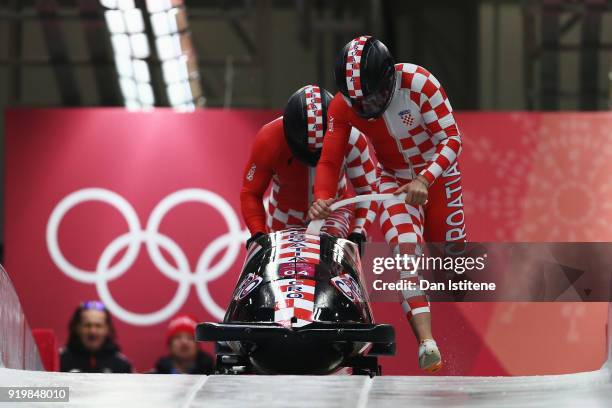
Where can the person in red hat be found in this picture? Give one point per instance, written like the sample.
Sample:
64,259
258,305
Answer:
184,354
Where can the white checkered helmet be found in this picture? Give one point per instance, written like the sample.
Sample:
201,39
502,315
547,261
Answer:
365,75
305,123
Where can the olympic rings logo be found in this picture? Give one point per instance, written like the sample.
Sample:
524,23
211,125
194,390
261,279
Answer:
153,240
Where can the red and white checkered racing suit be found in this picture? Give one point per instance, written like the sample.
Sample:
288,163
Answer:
293,185
417,134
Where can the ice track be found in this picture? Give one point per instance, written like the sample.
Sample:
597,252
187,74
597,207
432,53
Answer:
591,389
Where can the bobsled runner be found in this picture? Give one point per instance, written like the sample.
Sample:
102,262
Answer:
299,307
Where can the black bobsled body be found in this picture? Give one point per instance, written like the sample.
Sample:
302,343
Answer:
299,307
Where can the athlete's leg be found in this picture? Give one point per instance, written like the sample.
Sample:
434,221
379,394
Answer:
402,226
445,217
444,222
444,214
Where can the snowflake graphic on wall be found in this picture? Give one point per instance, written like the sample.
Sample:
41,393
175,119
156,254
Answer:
556,187
502,201
569,191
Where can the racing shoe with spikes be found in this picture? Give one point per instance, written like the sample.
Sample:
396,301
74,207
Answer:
430,359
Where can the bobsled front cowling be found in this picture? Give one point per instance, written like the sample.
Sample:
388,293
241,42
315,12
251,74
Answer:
293,279
298,308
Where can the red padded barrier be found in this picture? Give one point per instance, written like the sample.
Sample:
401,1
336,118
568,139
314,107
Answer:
47,348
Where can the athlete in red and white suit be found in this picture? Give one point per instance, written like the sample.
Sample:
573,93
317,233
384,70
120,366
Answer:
292,185
416,136
416,141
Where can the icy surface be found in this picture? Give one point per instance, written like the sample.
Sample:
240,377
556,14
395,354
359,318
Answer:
592,389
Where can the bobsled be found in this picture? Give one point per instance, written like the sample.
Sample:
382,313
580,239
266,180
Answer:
299,307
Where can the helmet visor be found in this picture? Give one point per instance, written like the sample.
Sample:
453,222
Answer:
374,104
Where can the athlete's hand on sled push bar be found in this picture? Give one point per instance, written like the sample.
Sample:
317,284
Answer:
416,191
320,209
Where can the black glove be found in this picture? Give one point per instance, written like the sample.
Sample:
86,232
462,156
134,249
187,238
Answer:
359,240
254,238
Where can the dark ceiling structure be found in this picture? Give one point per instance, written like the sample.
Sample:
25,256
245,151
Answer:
442,35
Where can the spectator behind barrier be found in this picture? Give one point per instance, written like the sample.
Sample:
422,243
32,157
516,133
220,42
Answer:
91,346
184,353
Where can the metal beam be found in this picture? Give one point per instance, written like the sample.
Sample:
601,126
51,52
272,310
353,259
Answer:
241,61
264,35
571,22
529,41
58,53
15,51
389,31
241,33
549,68
100,54
303,22
589,56
320,48
588,16
157,80
610,85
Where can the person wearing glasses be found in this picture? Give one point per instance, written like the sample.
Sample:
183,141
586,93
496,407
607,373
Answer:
91,346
